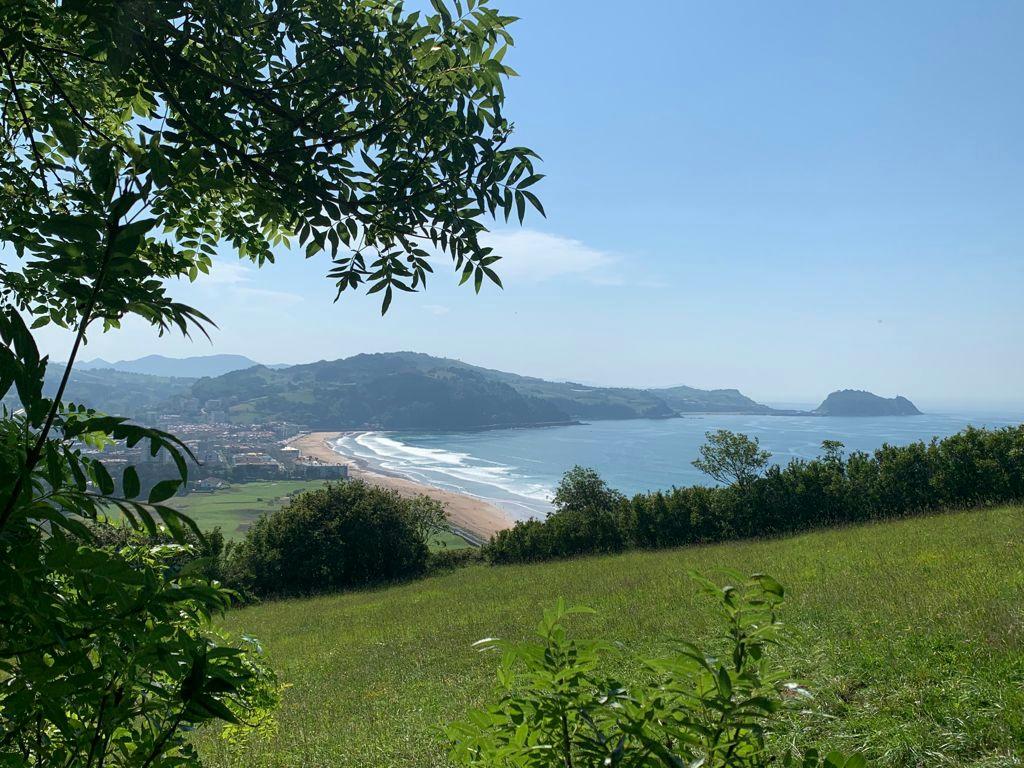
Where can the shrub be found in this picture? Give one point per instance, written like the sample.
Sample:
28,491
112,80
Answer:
583,489
450,559
559,707
343,535
589,518
192,555
110,660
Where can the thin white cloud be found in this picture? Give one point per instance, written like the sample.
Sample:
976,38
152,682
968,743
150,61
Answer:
233,279
437,309
529,255
228,273
282,297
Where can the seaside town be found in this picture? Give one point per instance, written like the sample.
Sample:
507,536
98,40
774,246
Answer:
228,453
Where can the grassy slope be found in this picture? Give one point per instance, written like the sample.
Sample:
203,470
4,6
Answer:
911,633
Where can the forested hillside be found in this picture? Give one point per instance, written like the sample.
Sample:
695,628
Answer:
406,390
110,391
336,396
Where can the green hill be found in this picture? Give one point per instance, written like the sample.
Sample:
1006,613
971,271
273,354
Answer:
118,392
909,633
361,393
406,390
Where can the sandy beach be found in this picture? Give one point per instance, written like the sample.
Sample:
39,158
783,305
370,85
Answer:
473,516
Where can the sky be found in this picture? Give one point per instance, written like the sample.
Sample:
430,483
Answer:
786,198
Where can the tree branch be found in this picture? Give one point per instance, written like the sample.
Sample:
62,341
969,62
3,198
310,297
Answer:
28,126
37,449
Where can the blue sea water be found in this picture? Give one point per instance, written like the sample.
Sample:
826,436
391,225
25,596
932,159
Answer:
518,469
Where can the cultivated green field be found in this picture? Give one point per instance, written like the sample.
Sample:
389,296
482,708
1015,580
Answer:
235,508
910,633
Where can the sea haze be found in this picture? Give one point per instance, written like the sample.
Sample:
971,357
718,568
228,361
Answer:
518,469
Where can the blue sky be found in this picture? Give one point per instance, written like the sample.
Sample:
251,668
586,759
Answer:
787,198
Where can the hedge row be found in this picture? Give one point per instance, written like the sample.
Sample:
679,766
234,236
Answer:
972,468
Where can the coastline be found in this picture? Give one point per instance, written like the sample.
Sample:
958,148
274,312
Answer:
474,518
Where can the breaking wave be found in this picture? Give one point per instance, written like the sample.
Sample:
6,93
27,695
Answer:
499,483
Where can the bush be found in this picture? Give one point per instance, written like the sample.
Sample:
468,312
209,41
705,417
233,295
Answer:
344,535
450,559
973,467
588,519
110,659
192,555
559,706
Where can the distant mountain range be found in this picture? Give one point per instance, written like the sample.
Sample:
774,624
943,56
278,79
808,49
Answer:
180,367
399,390
407,390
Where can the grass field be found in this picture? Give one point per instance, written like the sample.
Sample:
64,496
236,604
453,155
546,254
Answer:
911,635
235,508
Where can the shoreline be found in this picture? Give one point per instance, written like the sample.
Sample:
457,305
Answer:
474,519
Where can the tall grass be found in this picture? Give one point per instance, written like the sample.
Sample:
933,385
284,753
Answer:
911,635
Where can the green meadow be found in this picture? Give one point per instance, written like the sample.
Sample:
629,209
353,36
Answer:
235,508
909,633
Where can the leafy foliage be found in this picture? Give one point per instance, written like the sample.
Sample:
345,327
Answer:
582,489
729,457
361,130
134,140
971,468
343,535
108,659
43,463
194,555
560,707
104,640
586,520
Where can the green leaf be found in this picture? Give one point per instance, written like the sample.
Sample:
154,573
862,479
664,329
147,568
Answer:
445,14
535,202
724,683
103,479
130,482
215,708
770,585
163,490
84,228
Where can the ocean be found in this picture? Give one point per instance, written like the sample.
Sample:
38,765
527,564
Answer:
518,469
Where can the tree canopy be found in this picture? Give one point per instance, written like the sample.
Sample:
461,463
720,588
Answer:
156,130
729,457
